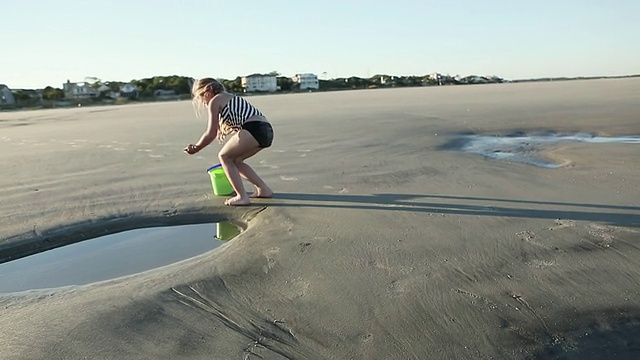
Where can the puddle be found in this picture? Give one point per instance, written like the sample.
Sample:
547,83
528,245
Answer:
112,256
524,148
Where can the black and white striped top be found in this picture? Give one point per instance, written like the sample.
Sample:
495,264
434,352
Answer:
237,111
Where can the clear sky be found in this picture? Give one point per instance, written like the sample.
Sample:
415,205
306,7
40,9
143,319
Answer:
46,42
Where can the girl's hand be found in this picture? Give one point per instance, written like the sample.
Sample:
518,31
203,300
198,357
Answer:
191,149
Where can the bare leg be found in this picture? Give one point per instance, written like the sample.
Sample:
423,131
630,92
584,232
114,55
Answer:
241,197
238,148
262,190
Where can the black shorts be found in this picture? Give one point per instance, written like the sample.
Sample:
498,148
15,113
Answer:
262,131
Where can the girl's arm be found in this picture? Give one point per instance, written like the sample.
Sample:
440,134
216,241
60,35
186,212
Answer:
212,129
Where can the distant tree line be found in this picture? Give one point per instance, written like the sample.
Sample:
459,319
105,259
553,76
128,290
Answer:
52,94
147,87
181,85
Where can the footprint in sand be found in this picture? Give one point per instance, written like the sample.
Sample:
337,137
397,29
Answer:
155,156
119,149
396,288
271,255
145,150
562,223
297,287
170,213
603,233
478,300
605,238
265,164
304,247
288,178
530,237
366,338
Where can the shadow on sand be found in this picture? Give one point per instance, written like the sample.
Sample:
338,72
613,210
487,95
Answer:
599,334
458,205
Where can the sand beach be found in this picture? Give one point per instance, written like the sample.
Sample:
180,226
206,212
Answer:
388,237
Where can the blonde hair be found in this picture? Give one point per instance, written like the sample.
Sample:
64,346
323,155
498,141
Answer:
198,89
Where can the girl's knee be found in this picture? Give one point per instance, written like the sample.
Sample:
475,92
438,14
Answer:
224,157
227,159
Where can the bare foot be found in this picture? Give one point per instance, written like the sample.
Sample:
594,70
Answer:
237,201
261,193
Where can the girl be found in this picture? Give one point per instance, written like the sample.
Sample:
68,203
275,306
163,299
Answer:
249,129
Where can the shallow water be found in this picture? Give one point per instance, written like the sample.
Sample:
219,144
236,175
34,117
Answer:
527,149
112,256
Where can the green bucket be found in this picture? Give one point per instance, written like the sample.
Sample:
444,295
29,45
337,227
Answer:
219,182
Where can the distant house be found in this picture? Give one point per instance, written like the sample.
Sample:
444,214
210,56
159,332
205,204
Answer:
103,88
129,91
441,79
6,96
473,79
387,80
78,90
160,93
436,78
259,82
306,81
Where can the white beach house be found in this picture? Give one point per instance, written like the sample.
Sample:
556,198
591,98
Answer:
78,90
306,81
129,91
259,82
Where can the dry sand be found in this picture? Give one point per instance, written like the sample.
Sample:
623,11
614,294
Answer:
378,245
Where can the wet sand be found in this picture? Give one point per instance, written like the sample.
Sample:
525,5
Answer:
379,244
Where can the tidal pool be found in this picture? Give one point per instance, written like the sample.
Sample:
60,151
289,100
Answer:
112,256
527,149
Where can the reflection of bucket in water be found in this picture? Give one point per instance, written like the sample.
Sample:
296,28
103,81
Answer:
226,231
219,181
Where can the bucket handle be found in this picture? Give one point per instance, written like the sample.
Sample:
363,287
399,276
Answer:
214,167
